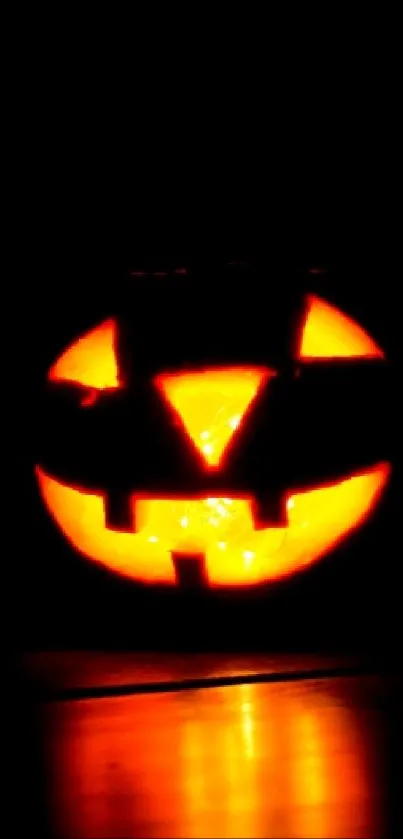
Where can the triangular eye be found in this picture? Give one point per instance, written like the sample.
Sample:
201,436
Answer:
90,361
329,333
212,403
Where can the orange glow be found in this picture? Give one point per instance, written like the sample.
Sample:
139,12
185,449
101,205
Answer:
253,760
221,528
329,333
212,403
90,361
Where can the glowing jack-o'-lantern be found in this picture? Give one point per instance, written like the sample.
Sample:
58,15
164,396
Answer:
209,518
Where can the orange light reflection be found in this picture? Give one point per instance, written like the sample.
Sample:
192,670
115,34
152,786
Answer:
250,760
211,404
329,333
221,528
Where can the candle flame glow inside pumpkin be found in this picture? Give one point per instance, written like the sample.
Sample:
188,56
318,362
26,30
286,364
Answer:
220,528
329,333
90,361
211,406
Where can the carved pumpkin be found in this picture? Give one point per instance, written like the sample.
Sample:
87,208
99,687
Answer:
191,489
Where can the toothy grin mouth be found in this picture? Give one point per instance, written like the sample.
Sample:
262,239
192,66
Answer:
221,529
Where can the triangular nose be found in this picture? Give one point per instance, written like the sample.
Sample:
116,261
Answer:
212,403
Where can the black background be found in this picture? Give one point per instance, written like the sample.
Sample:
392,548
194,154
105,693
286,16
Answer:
319,185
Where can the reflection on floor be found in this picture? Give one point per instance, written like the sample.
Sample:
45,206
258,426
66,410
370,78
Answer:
287,759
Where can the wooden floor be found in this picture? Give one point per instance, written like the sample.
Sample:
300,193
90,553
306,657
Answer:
302,758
